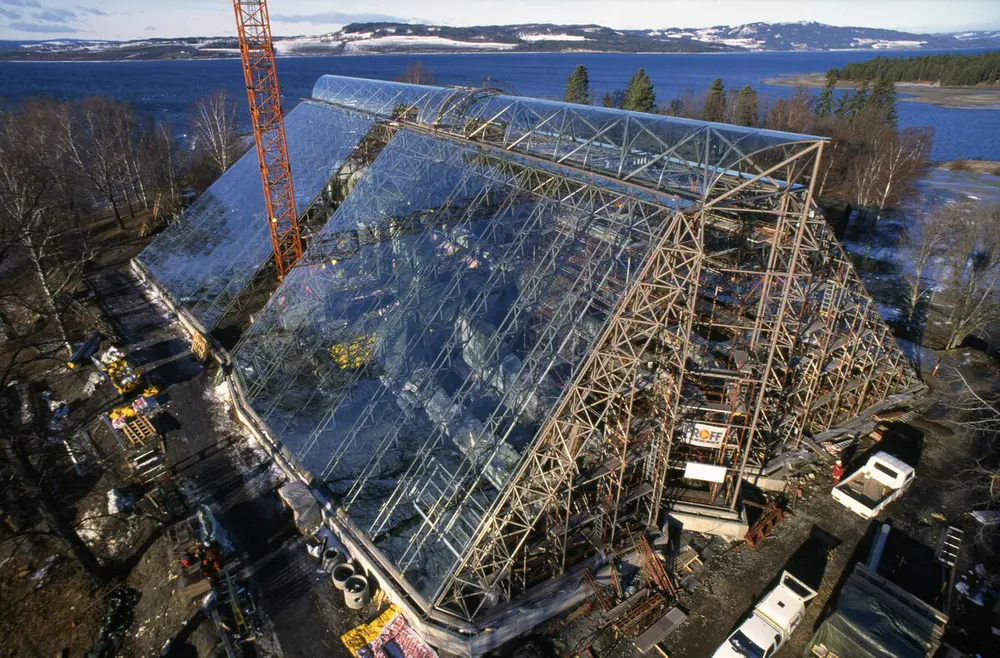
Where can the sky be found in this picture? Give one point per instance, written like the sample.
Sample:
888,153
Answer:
137,19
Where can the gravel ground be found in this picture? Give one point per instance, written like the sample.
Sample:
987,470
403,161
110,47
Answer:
215,463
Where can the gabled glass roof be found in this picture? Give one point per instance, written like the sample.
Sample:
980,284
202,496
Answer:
205,258
678,155
412,357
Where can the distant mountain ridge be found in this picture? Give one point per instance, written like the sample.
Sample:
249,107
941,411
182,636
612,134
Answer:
530,37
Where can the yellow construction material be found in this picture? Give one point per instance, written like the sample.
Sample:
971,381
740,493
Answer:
199,347
123,376
355,353
363,635
122,412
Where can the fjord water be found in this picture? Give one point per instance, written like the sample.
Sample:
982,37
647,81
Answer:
167,89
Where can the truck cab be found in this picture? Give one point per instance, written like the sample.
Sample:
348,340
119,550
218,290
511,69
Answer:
771,623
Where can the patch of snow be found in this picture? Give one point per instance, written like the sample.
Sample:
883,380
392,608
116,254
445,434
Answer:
744,42
552,37
884,44
289,46
889,313
425,41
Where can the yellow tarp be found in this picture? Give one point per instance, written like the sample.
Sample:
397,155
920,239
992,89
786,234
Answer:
363,635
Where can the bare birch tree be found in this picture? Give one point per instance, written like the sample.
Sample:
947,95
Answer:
886,166
92,138
925,241
973,260
36,230
974,410
906,154
416,74
216,131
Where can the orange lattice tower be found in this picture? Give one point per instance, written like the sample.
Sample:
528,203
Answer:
257,50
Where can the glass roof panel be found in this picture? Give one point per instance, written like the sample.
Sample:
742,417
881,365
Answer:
413,355
382,98
683,156
209,255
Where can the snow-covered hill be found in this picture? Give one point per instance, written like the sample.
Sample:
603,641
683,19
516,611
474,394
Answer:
401,38
818,36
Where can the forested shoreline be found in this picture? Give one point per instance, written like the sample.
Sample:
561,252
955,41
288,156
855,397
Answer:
948,69
870,164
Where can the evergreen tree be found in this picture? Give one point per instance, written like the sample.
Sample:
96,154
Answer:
844,104
883,100
950,69
746,112
640,95
606,101
824,105
715,105
859,100
578,86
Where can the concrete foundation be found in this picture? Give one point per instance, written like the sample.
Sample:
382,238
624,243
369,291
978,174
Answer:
728,524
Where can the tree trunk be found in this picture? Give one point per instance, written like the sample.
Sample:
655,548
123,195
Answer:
111,197
43,278
26,477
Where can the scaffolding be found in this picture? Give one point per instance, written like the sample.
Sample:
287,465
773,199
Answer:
528,324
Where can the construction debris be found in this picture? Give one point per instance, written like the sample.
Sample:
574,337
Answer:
118,369
386,635
770,516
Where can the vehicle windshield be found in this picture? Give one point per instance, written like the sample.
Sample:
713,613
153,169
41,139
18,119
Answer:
745,646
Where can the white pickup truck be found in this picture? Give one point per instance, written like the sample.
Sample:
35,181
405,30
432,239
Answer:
879,482
772,622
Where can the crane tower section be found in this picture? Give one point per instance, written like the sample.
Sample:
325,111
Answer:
257,51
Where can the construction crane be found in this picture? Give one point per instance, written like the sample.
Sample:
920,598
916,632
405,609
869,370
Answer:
257,51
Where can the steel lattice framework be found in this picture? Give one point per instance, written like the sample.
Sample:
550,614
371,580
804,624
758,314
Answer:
494,353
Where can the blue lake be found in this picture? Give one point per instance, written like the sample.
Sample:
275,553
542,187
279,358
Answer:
167,89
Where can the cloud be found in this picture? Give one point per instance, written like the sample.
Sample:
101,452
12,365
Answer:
55,15
336,17
9,14
21,26
34,4
149,28
91,11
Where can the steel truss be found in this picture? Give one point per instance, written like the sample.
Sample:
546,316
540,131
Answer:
680,278
757,264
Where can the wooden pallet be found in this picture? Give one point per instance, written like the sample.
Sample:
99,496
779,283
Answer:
686,561
138,430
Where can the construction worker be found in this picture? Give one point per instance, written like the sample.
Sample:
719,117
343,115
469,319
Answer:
838,472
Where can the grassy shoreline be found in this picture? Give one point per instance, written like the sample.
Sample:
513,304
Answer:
991,167
964,98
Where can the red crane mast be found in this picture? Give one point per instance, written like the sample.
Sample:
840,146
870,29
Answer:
257,51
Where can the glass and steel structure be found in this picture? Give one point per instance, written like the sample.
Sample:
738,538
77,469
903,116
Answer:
527,320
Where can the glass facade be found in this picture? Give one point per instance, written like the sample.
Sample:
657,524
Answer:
410,364
205,258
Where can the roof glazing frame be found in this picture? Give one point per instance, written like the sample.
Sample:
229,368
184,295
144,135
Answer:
677,155
254,372
210,254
